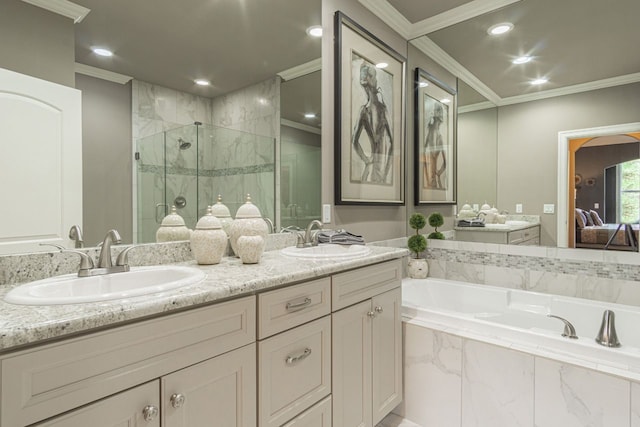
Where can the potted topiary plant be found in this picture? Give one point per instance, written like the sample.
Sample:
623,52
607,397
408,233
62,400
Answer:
436,220
417,267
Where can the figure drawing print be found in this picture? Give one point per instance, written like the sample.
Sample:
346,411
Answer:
435,148
372,144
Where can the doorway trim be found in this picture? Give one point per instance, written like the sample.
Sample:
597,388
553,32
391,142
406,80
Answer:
563,169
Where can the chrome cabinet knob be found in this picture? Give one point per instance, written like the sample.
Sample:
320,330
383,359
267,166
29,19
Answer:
150,412
177,400
371,314
378,309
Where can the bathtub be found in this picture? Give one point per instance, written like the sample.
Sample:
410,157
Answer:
518,320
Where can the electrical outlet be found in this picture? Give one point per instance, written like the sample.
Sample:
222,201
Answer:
476,207
596,206
326,214
548,208
518,207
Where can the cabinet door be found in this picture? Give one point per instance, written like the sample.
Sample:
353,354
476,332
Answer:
387,353
351,339
220,391
121,410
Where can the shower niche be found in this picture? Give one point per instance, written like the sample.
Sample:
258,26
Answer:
187,167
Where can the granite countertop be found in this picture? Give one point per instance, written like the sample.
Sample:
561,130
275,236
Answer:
22,325
500,228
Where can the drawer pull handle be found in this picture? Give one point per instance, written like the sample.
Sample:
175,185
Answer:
177,400
298,305
150,412
293,359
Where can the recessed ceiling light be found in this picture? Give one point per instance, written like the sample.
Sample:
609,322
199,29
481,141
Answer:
423,84
202,82
501,28
539,81
445,100
522,59
101,51
310,116
382,65
315,31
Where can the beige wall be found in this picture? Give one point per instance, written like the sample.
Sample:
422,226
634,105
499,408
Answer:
36,42
373,222
528,144
106,158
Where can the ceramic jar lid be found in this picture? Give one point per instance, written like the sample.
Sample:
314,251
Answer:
466,207
220,210
208,221
173,219
248,210
485,207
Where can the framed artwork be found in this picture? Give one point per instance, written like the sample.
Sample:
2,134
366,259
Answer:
435,140
369,121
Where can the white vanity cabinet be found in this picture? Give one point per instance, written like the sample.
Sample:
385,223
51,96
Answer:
366,344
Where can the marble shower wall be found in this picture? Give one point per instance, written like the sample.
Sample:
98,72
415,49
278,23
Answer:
457,382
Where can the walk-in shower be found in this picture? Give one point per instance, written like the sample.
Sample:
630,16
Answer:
190,165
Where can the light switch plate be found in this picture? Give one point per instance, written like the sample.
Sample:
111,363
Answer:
548,208
596,206
326,214
476,207
518,207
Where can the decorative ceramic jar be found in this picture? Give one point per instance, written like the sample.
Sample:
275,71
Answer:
208,240
418,268
250,249
466,212
248,222
488,213
172,228
221,211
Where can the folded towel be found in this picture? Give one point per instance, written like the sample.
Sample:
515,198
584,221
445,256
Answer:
340,237
471,222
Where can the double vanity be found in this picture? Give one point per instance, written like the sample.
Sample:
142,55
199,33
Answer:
289,341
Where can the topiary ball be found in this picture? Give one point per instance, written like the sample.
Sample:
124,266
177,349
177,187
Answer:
436,235
436,219
417,221
417,243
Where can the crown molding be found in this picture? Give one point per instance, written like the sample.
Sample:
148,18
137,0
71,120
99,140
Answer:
569,90
456,15
429,48
300,126
301,70
99,73
62,7
485,105
390,16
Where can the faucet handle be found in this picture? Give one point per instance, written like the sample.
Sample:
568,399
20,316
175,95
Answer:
123,258
569,330
86,262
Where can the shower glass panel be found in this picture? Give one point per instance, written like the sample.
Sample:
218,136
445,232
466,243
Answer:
188,167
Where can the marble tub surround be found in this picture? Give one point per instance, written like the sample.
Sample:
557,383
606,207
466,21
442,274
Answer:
22,268
23,325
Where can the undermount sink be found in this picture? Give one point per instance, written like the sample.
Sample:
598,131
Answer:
327,251
517,223
71,289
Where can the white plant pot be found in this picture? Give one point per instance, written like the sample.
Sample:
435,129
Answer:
418,268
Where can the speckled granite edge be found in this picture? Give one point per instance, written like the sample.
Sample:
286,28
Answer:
23,325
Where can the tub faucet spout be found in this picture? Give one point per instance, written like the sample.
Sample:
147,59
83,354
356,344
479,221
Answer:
569,330
607,335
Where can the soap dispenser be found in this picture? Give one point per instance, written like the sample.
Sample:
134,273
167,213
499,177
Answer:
208,240
248,222
172,228
221,211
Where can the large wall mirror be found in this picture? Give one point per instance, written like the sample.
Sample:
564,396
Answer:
263,67
519,90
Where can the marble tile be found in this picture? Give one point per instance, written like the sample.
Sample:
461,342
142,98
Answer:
553,283
570,396
393,420
186,106
497,386
432,377
635,404
471,273
600,289
437,268
505,277
204,110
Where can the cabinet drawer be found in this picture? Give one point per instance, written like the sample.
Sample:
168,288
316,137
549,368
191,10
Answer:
286,308
48,380
294,371
319,415
358,285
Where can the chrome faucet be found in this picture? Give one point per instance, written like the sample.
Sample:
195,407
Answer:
104,260
86,262
297,231
308,240
75,234
607,335
569,330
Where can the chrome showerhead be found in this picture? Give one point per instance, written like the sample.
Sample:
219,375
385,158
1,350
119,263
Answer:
184,145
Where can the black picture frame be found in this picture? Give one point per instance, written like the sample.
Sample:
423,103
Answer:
370,148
